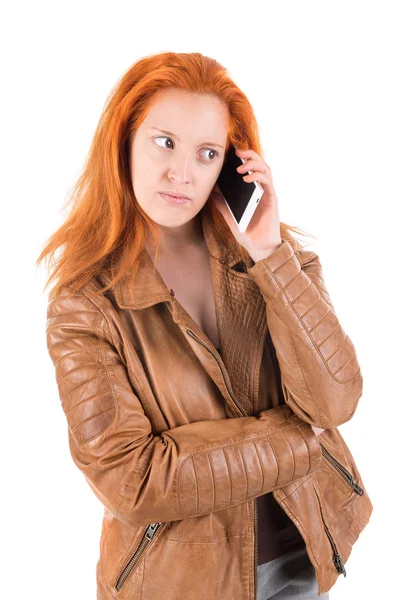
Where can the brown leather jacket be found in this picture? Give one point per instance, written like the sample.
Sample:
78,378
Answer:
177,441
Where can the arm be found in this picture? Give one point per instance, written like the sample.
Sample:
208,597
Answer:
189,470
321,376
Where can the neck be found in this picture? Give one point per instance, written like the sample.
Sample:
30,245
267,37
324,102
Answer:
175,240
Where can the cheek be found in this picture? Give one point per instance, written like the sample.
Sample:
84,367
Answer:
143,172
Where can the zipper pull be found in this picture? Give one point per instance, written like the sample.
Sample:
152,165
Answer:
151,530
357,487
337,559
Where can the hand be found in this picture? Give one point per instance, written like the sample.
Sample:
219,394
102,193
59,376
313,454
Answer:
262,235
317,430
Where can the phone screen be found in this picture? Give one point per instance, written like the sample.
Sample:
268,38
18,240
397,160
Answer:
235,190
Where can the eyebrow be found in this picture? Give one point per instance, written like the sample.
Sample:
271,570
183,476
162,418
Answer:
173,134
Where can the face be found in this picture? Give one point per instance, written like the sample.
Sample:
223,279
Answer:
186,160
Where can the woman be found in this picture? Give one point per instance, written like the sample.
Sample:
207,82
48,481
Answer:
203,372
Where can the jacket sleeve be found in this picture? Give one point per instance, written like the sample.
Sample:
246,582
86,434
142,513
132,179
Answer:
321,376
189,470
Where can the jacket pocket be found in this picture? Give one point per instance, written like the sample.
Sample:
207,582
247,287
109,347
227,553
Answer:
347,476
337,559
144,544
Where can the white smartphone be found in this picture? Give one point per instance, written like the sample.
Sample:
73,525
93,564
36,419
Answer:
241,197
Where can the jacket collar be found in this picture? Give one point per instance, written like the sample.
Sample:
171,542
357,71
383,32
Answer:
149,287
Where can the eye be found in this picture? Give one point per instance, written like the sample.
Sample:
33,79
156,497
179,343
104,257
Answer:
163,137
212,151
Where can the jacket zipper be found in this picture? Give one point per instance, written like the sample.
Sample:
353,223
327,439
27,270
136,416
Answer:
144,543
342,471
223,370
232,395
337,559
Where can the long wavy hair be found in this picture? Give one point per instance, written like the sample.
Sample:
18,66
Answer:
106,224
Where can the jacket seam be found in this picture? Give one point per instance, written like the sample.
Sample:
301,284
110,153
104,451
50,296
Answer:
213,481
261,469
302,526
177,478
244,438
99,335
217,541
100,329
306,477
116,342
301,368
293,455
282,289
244,469
229,477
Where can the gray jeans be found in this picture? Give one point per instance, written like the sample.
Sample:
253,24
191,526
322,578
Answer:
288,577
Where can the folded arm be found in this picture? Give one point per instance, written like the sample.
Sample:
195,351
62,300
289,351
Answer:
321,376
189,470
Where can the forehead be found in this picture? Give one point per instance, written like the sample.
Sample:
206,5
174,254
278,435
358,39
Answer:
186,112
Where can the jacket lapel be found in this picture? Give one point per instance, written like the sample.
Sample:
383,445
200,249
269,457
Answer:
240,313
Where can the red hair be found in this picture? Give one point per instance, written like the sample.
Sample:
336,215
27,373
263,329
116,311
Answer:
106,222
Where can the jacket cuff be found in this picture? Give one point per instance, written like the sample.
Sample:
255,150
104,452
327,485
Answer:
274,272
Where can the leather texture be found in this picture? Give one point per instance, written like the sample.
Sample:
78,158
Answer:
179,440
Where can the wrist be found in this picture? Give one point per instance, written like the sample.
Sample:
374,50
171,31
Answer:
258,255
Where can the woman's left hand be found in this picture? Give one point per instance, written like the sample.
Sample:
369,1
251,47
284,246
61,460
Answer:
262,235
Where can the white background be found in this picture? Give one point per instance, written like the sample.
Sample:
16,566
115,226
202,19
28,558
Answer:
323,78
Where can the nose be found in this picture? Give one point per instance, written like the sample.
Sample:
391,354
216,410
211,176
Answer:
180,170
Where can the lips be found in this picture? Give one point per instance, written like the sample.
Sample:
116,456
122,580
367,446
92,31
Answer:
174,199
175,195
